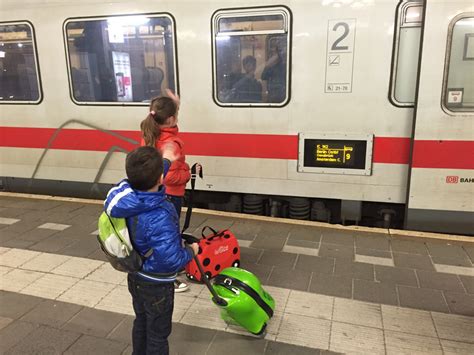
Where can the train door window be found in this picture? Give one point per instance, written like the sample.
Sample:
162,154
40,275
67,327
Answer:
251,57
19,73
406,53
124,60
458,89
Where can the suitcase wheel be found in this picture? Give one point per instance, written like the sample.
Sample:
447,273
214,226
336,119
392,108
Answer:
236,263
189,276
262,332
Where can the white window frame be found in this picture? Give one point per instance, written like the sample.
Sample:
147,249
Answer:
446,67
400,23
246,12
99,18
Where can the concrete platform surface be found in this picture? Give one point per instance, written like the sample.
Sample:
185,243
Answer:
337,289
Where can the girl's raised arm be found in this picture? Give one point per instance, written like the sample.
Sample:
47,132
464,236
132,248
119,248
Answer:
173,97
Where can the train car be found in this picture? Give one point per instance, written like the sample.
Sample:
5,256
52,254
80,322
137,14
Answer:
348,111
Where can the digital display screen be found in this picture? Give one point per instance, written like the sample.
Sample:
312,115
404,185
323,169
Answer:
335,153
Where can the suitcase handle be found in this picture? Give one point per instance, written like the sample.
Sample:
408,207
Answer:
189,238
213,231
215,297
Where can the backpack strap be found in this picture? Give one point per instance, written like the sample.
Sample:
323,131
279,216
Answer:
190,200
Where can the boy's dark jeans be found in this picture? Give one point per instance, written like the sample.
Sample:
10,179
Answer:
153,305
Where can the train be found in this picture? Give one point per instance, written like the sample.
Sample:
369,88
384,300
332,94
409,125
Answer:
344,111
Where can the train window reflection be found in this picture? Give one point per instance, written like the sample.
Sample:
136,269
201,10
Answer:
121,59
459,80
251,57
406,53
413,14
251,23
19,79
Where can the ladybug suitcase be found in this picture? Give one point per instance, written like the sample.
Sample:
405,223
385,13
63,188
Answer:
217,250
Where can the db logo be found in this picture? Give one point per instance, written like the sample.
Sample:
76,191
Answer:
452,179
221,250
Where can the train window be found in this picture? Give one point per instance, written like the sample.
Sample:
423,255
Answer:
251,56
406,53
123,60
19,78
458,87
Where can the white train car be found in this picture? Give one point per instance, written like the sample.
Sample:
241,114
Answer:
334,109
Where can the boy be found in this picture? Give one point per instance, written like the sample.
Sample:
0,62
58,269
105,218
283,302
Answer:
247,89
154,226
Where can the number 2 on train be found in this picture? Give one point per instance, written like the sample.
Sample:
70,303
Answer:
335,46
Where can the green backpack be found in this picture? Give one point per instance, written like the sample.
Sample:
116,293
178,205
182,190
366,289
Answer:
114,240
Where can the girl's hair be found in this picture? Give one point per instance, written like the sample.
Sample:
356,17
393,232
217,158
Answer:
161,108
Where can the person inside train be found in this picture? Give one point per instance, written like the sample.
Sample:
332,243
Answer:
13,75
274,73
247,89
159,129
142,201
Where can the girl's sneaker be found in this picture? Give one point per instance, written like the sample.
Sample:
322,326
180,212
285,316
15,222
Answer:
180,286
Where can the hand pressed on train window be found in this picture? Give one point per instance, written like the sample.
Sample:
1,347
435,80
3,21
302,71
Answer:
274,59
174,97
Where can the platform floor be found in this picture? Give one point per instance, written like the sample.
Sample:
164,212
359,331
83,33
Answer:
337,289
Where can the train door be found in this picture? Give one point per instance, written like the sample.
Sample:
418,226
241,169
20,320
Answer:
441,179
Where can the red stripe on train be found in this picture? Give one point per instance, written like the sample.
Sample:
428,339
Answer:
387,150
207,144
443,154
391,150
271,146
69,139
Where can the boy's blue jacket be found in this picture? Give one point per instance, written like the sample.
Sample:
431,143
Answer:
156,228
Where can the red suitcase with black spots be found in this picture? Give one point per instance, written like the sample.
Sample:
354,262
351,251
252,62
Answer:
217,250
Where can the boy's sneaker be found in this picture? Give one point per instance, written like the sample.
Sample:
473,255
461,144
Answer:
180,286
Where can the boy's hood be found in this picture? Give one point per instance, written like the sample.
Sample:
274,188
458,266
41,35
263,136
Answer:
122,201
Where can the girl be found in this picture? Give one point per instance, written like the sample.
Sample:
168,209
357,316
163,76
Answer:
160,129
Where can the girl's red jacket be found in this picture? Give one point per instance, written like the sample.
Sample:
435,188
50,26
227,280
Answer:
179,173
